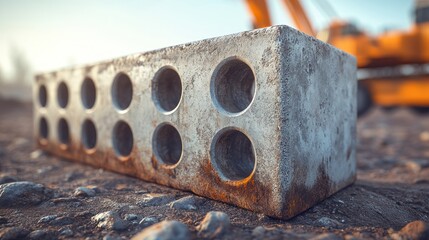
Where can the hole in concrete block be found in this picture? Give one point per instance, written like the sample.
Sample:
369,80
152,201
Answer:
89,134
63,95
232,154
123,141
88,93
43,128
233,86
122,91
167,89
43,96
167,144
63,132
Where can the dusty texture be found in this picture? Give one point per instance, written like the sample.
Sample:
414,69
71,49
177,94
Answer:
290,97
391,190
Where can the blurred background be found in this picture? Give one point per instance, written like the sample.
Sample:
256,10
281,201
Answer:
44,35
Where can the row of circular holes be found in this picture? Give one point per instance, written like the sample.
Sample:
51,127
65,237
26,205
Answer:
232,88
231,152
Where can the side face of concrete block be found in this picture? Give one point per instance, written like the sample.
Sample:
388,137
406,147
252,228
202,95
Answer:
233,118
319,112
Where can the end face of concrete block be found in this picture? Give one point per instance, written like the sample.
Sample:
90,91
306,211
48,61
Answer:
264,120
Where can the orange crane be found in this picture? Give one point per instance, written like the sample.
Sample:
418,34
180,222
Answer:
393,66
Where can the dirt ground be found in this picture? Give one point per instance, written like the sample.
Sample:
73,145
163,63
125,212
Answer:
392,187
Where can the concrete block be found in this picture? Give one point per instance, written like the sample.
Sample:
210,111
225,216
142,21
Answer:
264,119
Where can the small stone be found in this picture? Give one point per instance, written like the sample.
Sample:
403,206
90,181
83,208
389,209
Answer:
258,232
155,199
328,222
148,221
415,230
44,170
214,224
185,203
61,221
36,154
131,217
84,192
141,191
66,232
22,194
13,233
65,200
47,219
165,230
7,179
41,235
326,236
110,220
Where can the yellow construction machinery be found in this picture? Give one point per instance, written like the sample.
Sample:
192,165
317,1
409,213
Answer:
393,66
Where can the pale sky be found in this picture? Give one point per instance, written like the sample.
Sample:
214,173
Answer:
57,33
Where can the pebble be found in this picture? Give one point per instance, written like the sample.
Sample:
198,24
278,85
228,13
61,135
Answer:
418,230
84,192
258,232
41,235
155,199
327,222
131,217
214,224
66,232
44,170
110,220
47,219
23,193
165,230
148,221
36,154
326,236
185,203
7,179
61,221
13,233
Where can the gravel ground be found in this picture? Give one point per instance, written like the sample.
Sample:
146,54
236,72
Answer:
44,197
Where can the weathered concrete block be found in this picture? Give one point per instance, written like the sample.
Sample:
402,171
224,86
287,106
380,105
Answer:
263,119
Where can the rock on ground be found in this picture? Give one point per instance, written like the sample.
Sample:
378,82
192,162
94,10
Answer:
148,221
214,224
327,222
154,199
23,193
185,203
42,235
165,230
84,192
110,220
13,233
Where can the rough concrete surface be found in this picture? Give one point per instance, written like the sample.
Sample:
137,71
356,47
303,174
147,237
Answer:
264,119
391,191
